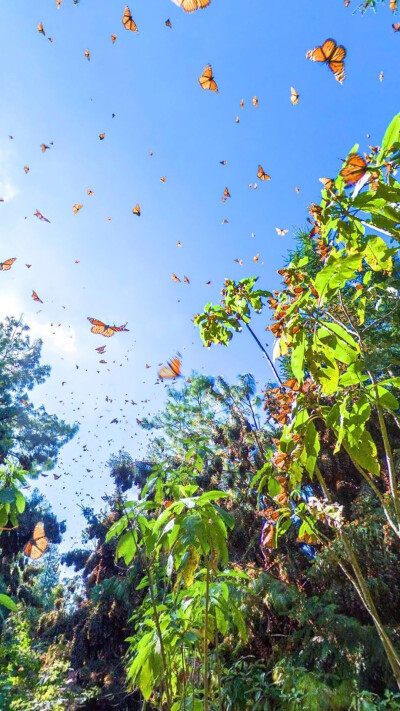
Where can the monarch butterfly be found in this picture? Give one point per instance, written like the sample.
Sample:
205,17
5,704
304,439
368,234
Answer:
127,20
26,168
255,101
38,543
294,96
227,193
354,169
87,55
40,29
6,266
241,104
179,244
261,175
168,23
207,80
101,136
191,5
393,5
396,27
89,191
256,258
237,119
223,162
280,232
76,208
171,370
35,297
331,54
101,349
103,329
186,280
136,210
163,179
28,265
175,278
44,148
113,38
381,76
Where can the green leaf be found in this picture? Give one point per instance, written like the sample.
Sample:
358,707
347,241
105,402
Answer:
385,397
391,137
19,501
298,355
7,602
378,255
127,546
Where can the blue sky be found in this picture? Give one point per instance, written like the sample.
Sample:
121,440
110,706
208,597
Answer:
52,93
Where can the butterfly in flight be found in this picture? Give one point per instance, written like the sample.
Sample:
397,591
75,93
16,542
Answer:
136,210
38,543
175,278
331,54
261,175
40,216
354,169
76,208
26,168
168,23
191,5
35,297
87,55
280,232
103,329
294,96
89,191
6,266
127,20
113,38
40,29
171,370
101,349
102,136
207,80
44,148
255,101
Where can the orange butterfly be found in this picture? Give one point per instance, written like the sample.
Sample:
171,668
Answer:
40,29
103,329
171,370
223,162
5,266
89,191
113,38
127,20
227,193
101,136
191,5
241,104
36,298
168,23
87,54
26,168
101,349
136,210
255,101
396,27
331,54
163,179
354,168
393,5
76,208
175,278
261,175
44,148
186,280
207,80
294,96
38,543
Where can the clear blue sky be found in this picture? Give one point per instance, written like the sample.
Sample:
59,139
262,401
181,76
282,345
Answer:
50,92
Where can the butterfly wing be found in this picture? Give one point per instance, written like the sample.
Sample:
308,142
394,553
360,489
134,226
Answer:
171,370
38,543
191,5
207,80
338,70
354,169
6,266
261,175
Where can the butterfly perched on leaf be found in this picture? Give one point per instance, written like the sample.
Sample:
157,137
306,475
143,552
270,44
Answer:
171,370
294,96
191,5
331,54
103,329
207,81
261,175
38,543
136,210
35,297
354,169
6,266
76,208
127,20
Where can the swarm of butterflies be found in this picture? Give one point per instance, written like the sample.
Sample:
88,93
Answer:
355,168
